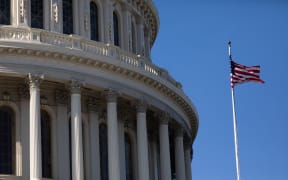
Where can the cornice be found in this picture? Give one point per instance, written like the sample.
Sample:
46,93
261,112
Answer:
114,60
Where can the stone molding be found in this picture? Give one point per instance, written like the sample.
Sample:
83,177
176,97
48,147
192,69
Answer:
130,67
34,80
75,86
111,95
164,118
141,106
179,132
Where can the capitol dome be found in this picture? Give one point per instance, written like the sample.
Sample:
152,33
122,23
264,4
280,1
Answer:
81,99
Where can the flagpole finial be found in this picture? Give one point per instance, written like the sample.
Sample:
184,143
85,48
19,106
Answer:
229,49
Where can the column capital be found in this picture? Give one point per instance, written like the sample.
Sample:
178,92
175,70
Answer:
164,118
93,104
179,132
187,145
111,95
141,106
75,86
139,21
34,80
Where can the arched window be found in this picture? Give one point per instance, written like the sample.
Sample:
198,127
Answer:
7,141
116,29
37,14
133,38
94,21
67,16
103,151
46,145
128,157
5,12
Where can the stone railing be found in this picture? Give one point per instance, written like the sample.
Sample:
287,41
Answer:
8,33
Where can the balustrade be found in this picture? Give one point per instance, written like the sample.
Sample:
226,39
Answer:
87,46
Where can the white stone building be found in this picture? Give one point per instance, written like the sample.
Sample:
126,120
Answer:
81,99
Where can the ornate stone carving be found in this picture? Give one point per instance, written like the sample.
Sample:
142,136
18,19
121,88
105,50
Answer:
179,132
22,10
141,106
34,80
55,13
164,118
61,97
75,86
6,96
111,95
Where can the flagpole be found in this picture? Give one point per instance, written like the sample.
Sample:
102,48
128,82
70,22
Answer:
234,123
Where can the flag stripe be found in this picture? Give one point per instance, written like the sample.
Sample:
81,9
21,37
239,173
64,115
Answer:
241,74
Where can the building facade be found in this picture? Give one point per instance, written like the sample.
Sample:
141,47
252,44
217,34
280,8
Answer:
81,99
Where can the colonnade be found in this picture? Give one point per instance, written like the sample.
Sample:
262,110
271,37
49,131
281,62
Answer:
182,153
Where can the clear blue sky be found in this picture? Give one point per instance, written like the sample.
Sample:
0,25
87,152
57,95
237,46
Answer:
192,46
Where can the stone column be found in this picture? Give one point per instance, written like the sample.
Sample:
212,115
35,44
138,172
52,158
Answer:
155,159
126,30
108,22
188,161
86,149
61,98
113,144
142,142
165,163
56,9
24,115
76,131
147,44
179,155
22,14
35,127
122,146
140,37
93,109
46,15
76,18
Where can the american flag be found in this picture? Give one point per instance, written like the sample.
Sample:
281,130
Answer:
241,74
